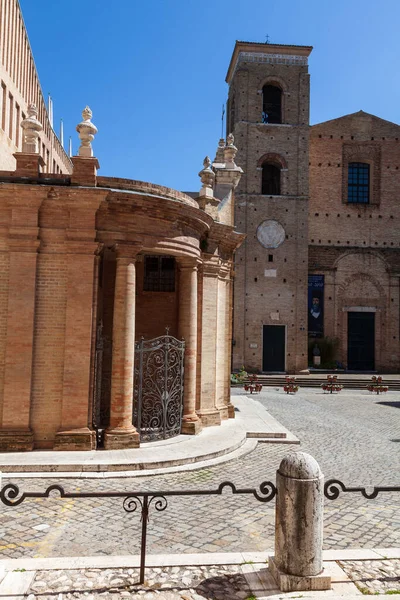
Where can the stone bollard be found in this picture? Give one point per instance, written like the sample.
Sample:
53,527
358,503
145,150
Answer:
297,564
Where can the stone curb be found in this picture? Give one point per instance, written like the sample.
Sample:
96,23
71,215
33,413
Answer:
212,446
182,560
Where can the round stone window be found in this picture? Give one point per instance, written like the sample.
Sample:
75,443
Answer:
270,234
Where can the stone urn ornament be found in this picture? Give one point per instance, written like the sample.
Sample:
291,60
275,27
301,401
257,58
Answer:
86,131
31,127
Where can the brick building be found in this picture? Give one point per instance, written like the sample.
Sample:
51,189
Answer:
20,86
89,266
320,264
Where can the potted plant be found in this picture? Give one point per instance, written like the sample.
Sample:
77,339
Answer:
331,384
290,387
377,385
254,385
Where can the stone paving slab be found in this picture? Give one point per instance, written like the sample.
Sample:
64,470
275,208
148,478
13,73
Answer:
252,421
187,580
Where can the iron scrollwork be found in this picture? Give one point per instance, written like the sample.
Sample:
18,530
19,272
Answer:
333,488
137,501
158,394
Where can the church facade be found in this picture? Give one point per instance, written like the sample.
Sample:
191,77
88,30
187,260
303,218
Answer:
319,206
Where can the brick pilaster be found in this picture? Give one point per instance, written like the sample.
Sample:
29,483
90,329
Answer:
222,339
208,412
15,432
74,432
188,331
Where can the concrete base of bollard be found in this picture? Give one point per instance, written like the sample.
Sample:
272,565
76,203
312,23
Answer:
293,583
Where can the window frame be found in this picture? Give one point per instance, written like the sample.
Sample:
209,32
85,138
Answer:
362,152
264,103
279,169
159,283
358,192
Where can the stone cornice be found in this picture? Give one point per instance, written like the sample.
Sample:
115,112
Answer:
127,208
114,184
270,53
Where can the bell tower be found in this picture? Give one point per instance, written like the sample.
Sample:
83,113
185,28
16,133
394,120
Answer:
268,113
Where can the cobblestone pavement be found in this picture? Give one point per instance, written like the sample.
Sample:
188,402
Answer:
168,583
352,435
222,582
374,576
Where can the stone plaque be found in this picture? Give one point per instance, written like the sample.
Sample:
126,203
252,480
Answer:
270,273
270,234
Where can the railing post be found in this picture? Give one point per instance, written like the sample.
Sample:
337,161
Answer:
297,564
145,518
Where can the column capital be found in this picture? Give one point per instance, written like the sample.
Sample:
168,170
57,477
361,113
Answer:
127,251
225,270
188,262
211,266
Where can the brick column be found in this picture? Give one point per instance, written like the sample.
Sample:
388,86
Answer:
15,432
188,331
121,433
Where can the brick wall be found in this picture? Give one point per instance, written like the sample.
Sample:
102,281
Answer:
270,285
49,341
357,246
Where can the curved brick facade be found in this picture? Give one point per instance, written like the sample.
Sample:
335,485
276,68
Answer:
73,251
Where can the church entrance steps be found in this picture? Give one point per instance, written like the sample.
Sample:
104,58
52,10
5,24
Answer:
356,382
233,438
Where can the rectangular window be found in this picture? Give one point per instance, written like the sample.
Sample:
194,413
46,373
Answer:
3,106
358,183
159,274
11,117
17,123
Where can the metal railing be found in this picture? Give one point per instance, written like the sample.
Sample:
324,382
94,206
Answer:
333,487
10,496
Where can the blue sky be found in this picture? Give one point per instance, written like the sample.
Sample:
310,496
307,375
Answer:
153,71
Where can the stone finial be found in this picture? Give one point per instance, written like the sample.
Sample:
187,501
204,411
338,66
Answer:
207,177
230,152
86,131
31,127
219,157
207,162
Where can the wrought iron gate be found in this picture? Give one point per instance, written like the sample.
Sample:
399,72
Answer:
102,385
158,393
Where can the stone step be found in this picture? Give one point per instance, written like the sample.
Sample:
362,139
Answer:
316,382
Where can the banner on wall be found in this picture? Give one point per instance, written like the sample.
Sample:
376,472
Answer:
316,306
